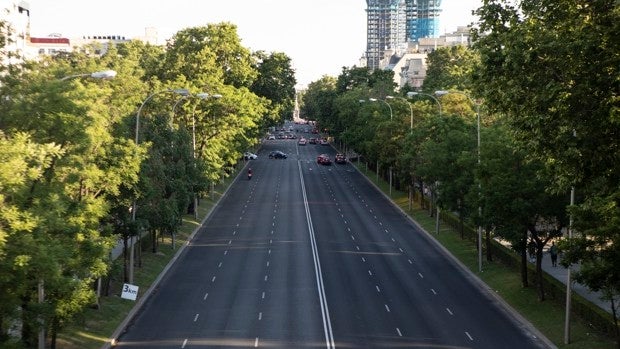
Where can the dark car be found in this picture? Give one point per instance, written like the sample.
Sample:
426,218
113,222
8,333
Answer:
340,159
323,159
276,154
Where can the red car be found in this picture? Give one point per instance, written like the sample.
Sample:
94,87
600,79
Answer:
323,159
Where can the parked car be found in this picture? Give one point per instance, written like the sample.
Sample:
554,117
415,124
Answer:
302,141
276,154
271,137
340,159
323,159
324,141
312,140
249,156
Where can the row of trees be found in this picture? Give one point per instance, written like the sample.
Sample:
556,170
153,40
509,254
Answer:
70,169
543,77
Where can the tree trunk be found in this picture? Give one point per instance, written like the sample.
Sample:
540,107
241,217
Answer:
539,275
489,254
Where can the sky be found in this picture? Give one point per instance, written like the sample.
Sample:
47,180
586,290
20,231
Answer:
320,36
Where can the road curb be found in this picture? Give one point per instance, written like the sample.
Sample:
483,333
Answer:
111,342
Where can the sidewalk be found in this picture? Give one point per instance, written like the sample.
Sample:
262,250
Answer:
560,273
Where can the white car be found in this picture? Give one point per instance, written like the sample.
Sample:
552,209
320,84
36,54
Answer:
249,156
271,137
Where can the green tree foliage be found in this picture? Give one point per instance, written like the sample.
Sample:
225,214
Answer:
275,82
318,100
551,67
209,56
68,248
514,198
450,68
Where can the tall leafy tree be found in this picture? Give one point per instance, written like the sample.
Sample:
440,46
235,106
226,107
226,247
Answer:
550,67
450,68
275,82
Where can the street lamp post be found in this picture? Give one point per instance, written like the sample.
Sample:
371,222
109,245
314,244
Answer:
477,106
182,92
412,94
410,110
202,96
386,103
103,75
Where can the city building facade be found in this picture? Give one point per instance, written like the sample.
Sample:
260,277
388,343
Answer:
392,24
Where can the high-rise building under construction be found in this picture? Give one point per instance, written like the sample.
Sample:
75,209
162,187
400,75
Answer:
391,24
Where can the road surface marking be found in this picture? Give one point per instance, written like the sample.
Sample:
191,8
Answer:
196,317
398,331
206,295
378,289
470,337
449,311
184,343
387,308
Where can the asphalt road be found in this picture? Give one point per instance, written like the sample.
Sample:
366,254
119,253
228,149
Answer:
312,256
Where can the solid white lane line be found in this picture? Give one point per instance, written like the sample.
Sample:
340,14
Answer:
327,326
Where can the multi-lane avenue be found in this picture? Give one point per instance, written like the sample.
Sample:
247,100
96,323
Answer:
311,256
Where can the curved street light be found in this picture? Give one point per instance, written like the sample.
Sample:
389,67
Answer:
183,92
386,103
412,94
410,109
477,106
104,74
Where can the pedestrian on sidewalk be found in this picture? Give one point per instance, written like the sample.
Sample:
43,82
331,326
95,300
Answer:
553,251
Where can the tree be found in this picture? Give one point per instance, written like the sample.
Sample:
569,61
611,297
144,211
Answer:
450,68
68,249
547,66
275,82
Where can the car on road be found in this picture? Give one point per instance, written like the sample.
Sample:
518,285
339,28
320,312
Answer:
324,159
249,156
271,137
312,140
277,154
302,141
340,158
324,141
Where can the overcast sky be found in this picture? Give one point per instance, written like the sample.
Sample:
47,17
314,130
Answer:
320,36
